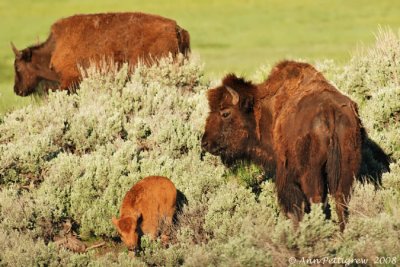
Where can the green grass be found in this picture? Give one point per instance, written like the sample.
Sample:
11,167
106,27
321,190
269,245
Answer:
230,37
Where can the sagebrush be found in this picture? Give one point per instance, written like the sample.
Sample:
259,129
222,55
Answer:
73,157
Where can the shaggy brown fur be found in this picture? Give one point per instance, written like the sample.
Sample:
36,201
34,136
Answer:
295,122
146,205
82,39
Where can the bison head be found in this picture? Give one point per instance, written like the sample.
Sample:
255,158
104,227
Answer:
127,227
26,74
230,126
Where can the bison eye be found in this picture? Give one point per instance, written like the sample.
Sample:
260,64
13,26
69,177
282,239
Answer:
225,114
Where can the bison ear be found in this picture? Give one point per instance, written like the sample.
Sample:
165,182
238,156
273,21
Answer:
247,103
125,224
26,54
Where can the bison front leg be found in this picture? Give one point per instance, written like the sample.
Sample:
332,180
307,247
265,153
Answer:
290,196
165,227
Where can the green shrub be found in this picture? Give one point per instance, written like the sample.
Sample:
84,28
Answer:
373,68
73,157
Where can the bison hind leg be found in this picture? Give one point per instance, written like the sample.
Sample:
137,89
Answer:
342,209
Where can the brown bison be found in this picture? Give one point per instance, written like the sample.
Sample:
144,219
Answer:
146,205
82,39
296,123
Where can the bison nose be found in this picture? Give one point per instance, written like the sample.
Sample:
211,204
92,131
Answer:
17,91
204,145
204,142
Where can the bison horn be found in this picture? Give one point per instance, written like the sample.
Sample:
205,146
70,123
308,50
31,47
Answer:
16,51
234,94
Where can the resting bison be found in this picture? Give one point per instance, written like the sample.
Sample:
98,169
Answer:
295,122
81,39
148,203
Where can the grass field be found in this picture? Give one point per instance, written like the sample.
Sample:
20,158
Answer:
229,36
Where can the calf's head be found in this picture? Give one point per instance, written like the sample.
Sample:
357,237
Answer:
230,126
127,227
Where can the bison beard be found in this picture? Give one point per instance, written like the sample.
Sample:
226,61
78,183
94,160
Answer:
295,122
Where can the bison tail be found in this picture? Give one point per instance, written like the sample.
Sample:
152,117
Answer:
378,153
333,164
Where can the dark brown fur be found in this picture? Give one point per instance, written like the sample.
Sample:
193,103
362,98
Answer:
295,122
83,39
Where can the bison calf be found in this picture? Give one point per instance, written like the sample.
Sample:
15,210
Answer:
146,205
85,39
296,123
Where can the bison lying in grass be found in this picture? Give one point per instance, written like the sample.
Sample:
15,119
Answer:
295,122
84,39
146,205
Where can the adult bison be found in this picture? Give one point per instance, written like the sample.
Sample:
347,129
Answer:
295,122
82,39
